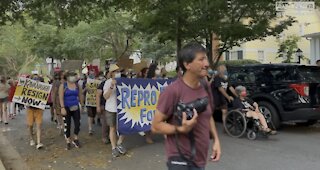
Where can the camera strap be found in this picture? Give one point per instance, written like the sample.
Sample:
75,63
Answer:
191,134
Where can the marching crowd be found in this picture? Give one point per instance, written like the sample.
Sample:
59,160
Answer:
67,102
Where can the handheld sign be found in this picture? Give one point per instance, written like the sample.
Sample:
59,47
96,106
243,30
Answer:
32,93
92,86
137,101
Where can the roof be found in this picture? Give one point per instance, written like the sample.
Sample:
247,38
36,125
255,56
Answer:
313,35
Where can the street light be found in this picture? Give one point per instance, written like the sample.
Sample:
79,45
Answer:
299,53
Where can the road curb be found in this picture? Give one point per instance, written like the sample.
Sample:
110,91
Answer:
9,156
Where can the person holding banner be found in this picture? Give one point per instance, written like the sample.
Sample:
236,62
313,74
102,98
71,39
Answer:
111,107
4,93
188,140
70,96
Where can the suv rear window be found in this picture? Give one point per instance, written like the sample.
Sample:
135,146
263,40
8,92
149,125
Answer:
310,73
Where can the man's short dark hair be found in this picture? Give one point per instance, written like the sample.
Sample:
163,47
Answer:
317,61
188,53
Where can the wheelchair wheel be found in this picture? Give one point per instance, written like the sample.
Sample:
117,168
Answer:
251,135
235,124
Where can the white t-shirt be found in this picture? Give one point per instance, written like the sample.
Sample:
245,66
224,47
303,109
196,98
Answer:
111,103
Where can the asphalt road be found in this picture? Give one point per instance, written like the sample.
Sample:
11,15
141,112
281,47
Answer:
294,148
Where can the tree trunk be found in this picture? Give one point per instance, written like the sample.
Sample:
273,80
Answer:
209,46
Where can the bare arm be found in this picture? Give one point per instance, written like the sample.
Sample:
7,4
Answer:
108,94
61,95
233,91
216,148
81,97
160,126
223,92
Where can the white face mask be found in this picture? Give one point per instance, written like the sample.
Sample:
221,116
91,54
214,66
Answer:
72,79
117,75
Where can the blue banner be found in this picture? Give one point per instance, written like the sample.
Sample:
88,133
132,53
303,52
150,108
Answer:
137,100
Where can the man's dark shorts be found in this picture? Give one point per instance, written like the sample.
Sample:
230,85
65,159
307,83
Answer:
92,111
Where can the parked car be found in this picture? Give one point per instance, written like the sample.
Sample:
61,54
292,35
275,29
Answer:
284,92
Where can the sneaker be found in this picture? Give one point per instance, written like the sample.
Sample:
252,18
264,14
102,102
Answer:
39,146
76,143
115,152
32,143
122,149
6,123
0,121
90,132
68,147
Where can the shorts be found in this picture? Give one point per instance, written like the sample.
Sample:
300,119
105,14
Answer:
34,115
92,111
2,100
111,118
220,102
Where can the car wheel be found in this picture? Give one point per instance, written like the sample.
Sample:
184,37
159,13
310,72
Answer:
270,113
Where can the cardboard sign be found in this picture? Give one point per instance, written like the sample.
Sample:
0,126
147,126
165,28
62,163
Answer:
91,87
32,93
72,65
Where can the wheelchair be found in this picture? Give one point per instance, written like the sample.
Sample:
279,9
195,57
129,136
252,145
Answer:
237,125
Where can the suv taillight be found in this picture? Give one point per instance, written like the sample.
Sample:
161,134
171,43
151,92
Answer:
301,89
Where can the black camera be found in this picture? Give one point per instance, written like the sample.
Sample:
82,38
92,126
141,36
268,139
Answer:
200,105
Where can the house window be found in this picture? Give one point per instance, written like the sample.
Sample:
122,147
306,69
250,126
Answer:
261,56
240,55
227,55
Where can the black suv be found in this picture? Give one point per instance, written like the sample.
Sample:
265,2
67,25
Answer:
285,92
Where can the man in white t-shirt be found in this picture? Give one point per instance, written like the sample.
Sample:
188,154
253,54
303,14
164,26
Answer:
110,95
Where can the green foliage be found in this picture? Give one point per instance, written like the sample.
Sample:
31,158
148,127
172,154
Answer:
238,62
15,50
287,49
186,20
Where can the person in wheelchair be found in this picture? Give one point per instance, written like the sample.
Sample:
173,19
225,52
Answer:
250,108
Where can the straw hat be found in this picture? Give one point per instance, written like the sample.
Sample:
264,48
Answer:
113,67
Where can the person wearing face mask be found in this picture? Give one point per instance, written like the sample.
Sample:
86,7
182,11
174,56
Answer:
35,115
92,111
70,96
220,86
250,108
110,95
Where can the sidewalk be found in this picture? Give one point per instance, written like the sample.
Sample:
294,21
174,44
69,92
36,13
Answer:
9,156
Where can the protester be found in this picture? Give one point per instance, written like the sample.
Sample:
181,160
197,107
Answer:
163,73
91,110
318,63
109,93
220,87
101,102
50,103
190,135
11,104
250,108
4,91
70,96
35,115
58,80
